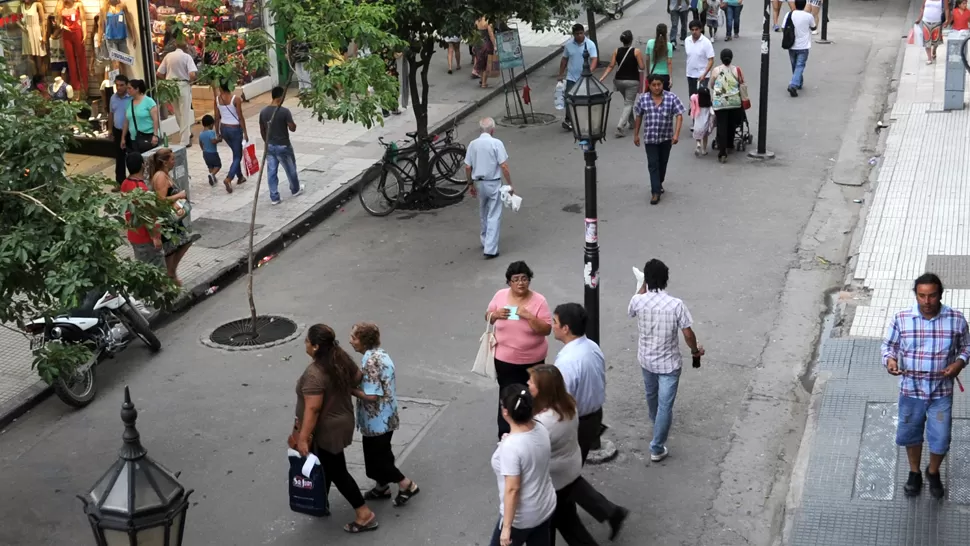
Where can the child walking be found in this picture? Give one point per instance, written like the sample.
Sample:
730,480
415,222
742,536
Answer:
210,153
703,116
712,7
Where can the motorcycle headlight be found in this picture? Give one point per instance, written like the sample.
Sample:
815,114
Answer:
56,332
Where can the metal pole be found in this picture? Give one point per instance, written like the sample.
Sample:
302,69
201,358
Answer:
591,254
762,152
825,23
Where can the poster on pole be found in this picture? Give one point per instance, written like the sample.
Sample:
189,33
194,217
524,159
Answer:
509,50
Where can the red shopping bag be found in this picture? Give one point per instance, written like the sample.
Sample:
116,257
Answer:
250,162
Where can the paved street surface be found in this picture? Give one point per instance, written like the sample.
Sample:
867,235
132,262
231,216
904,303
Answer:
737,237
329,156
853,486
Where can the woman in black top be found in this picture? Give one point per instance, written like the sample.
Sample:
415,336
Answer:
628,62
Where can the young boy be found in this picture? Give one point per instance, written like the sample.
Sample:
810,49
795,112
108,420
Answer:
210,153
712,7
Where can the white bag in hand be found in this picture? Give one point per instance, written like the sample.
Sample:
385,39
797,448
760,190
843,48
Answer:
639,276
560,99
485,360
509,199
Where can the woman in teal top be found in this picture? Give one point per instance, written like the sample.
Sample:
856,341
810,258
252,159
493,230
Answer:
142,118
732,16
662,63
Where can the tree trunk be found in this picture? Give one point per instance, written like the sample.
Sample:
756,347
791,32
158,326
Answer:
421,196
591,31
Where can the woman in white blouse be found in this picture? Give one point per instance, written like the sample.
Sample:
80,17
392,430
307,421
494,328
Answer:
555,410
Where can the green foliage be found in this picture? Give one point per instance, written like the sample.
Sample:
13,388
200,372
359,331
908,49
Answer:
59,233
352,89
56,359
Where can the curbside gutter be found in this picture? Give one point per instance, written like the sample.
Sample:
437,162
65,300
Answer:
281,238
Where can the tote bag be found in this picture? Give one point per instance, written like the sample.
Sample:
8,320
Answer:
485,360
250,162
308,487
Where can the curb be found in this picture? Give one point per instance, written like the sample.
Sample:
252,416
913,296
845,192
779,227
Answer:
280,239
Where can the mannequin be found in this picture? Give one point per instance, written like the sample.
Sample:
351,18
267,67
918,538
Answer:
60,90
71,18
34,25
115,27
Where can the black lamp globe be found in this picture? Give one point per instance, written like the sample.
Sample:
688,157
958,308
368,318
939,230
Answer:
589,105
137,502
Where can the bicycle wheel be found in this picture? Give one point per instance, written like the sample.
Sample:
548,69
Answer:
450,179
381,196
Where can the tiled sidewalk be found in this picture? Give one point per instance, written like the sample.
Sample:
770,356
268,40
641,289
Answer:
330,156
853,486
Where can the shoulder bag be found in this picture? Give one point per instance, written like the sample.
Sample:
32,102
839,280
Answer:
485,360
743,90
788,33
143,141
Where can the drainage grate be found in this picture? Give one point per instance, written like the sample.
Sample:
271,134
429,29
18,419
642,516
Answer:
529,120
954,271
243,335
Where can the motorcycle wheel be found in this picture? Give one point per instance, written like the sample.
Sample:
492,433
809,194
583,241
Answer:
138,325
78,390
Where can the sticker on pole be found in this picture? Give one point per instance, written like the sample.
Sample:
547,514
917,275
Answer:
764,47
122,58
591,230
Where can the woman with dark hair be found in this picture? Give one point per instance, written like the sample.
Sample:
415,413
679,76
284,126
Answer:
725,86
660,56
555,409
231,127
141,119
522,322
628,62
377,417
325,418
173,247
527,498
483,50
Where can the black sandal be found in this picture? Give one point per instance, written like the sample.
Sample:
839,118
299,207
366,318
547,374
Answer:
378,493
354,527
404,496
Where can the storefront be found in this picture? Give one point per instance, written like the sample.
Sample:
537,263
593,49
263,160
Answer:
74,48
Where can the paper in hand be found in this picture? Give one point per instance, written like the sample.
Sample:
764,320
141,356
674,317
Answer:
639,276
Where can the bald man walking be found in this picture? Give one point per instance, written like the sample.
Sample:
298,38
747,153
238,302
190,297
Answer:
486,163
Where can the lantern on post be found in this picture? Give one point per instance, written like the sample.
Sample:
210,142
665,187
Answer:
137,502
589,107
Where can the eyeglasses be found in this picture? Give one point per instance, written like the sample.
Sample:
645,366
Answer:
521,279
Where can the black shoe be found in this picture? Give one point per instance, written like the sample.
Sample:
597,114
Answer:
616,521
792,91
913,485
936,485
567,126
491,256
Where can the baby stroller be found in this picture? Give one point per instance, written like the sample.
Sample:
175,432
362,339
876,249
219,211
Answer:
742,134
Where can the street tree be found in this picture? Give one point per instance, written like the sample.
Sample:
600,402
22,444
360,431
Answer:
60,233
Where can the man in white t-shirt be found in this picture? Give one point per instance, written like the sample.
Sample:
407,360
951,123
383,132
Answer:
804,24
700,57
179,66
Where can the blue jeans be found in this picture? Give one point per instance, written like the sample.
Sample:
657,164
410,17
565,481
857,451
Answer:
798,57
678,19
275,155
233,136
732,17
657,157
661,391
490,210
935,416
540,535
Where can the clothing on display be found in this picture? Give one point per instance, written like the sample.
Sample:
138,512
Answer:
72,22
60,90
33,29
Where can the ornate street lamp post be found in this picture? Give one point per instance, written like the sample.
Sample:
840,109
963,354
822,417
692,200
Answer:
589,107
137,502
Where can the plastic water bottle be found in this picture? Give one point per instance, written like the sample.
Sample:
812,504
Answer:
560,99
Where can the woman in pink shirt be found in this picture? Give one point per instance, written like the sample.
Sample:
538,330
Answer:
522,322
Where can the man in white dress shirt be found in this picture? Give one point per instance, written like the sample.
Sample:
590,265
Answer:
179,67
486,162
583,369
660,317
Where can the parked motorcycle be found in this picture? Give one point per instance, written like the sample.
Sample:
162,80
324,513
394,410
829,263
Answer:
106,325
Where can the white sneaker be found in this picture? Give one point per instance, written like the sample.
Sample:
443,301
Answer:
277,202
299,191
657,457
815,31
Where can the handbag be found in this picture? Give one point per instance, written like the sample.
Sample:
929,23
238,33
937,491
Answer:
743,91
485,360
143,141
182,207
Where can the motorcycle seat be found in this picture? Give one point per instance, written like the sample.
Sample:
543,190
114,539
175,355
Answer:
86,309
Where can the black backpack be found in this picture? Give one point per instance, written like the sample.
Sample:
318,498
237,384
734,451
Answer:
788,33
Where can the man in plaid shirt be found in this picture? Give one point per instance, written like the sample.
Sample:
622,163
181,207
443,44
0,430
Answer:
927,347
660,317
660,115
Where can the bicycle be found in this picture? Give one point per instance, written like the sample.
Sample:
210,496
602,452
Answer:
399,173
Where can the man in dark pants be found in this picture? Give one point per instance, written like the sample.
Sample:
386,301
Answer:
118,106
660,115
571,65
583,369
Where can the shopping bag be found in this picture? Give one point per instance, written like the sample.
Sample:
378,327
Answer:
917,35
485,360
493,66
308,488
250,162
560,97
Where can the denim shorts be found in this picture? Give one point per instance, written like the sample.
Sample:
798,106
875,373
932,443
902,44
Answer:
935,415
212,160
